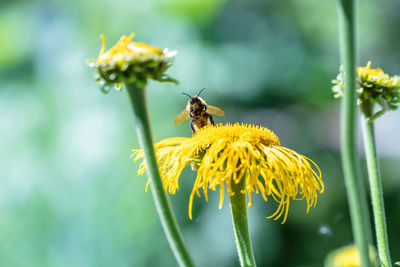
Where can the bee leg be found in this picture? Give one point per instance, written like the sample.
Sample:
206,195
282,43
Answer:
211,120
192,125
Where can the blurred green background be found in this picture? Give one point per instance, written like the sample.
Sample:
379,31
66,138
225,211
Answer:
69,193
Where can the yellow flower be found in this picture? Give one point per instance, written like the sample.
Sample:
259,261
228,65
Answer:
348,256
129,61
225,154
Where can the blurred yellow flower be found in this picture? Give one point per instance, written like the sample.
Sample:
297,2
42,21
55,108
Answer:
225,154
347,256
131,62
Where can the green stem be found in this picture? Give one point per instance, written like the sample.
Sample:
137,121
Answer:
375,183
239,217
354,184
138,100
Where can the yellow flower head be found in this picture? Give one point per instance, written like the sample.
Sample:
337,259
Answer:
225,154
129,61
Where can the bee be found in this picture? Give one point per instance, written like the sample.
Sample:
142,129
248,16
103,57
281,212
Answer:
199,111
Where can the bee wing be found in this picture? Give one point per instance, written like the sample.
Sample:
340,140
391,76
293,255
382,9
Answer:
184,115
215,110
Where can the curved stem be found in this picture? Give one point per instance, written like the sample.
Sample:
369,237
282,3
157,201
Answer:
240,225
138,100
375,183
354,184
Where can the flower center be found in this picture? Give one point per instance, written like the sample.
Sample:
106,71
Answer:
235,133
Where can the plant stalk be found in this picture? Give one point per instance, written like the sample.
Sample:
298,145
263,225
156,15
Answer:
137,96
240,224
354,184
375,183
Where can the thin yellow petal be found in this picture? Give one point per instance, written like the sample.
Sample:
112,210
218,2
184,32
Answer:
103,44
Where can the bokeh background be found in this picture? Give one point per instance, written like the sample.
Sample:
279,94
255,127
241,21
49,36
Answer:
69,193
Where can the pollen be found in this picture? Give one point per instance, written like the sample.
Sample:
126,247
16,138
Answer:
226,154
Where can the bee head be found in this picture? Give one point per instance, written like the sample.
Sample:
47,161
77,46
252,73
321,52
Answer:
196,103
